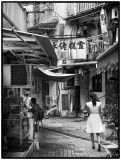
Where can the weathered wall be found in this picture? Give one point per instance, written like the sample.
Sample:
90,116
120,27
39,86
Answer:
16,14
99,94
84,89
52,92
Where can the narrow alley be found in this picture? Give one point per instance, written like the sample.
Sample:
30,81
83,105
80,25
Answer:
66,137
60,79
53,144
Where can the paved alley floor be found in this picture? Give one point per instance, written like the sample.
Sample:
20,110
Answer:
71,126
57,145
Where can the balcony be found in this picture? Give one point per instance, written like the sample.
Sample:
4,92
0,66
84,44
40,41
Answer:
87,6
76,8
40,14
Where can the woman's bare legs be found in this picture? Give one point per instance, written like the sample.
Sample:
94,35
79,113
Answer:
92,139
98,139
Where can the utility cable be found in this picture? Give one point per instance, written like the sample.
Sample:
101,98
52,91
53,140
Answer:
55,12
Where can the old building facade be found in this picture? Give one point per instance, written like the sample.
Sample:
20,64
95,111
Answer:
79,33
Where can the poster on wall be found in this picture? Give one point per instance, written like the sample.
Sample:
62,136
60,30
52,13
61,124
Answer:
70,48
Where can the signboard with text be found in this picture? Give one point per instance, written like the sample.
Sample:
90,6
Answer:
70,48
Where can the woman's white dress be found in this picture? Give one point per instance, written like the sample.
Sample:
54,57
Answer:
94,123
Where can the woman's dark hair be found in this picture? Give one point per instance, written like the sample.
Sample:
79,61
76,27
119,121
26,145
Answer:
33,100
26,94
94,98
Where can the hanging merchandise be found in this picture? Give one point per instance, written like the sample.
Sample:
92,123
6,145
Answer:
103,21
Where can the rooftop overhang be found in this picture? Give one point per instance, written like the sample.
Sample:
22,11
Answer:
109,59
85,14
32,48
51,76
48,23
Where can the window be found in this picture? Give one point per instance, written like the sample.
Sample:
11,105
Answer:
97,83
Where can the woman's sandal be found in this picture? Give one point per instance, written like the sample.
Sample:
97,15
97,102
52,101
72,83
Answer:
99,147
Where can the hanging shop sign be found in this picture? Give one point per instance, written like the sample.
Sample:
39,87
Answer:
103,21
75,48
96,47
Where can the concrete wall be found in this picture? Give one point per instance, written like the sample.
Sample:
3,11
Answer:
86,85
70,91
84,89
52,92
60,9
99,94
52,88
70,29
39,95
16,14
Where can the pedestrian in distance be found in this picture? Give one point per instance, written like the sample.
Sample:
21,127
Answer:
37,112
95,119
26,100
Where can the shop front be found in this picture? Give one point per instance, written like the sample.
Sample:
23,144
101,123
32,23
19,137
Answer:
21,52
108,63
73,57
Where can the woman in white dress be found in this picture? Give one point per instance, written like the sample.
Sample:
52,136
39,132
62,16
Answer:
95,121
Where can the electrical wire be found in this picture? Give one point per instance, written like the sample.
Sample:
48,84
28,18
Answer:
55,12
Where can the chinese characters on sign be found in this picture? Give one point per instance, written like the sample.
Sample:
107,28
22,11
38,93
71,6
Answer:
96,47
70,48
64,46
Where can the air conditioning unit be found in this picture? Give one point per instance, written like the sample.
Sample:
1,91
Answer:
17,75
115,13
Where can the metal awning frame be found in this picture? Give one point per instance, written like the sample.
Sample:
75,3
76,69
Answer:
20,43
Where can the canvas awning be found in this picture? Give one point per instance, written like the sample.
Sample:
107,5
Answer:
33,47
51,76
109,59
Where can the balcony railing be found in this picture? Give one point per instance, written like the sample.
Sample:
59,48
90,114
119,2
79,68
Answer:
76,8
87,6
43,13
